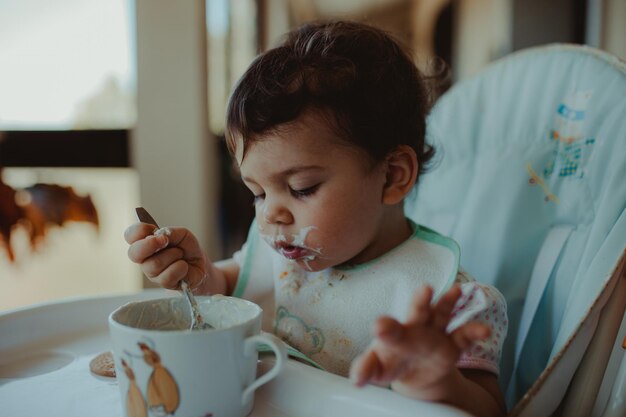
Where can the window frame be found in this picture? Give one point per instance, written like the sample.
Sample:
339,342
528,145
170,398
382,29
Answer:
102,148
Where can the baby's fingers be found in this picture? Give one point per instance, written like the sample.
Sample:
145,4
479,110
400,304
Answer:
389,331
365,368
142,249
420,313
138,231
443,309
171,276
159,262
464,336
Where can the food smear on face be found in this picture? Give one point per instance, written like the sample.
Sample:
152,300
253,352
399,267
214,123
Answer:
306,261
295,247
298,240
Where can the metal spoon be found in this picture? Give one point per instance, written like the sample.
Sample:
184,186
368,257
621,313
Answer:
197,321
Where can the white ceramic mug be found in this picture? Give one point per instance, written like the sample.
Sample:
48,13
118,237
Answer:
163,368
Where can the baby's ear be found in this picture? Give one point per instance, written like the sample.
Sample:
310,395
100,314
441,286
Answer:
401,174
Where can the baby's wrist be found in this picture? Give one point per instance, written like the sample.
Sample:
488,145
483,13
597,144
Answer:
201,289
213,281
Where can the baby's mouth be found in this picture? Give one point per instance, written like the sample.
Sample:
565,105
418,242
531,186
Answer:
291,251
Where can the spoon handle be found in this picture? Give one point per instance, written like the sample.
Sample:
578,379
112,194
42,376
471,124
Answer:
197,322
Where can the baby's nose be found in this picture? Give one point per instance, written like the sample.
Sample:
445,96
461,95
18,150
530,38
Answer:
274,213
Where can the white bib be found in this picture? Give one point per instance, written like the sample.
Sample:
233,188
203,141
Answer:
328,315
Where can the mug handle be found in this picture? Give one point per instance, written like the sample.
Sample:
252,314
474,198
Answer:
280,351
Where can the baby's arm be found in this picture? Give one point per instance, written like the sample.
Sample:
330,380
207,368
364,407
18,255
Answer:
418,358
168,259
230,269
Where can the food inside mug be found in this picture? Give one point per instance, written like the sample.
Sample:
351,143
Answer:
173,313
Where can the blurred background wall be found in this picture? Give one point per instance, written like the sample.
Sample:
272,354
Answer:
123,102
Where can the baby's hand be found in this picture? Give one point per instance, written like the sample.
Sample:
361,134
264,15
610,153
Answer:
167,258
419,354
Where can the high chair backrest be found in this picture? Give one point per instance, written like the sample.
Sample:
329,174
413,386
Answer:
530,179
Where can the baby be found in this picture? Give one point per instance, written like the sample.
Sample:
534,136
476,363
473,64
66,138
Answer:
328,132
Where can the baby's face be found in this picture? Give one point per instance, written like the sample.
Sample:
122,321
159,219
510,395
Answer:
318,200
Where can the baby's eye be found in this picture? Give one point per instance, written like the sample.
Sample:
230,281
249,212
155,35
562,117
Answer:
305,192
258,198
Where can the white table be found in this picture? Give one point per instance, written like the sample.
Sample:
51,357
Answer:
44,371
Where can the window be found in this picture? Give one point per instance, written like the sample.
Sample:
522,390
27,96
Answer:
67,102
66,65
232,45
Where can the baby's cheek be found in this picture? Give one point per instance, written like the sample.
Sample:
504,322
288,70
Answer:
260,224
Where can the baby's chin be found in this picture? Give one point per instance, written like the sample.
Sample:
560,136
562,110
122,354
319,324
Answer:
309,264
313,264
317,265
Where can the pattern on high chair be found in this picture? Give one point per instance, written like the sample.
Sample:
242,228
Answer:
535,179
573,146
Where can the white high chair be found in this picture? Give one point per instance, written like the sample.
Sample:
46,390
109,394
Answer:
531,181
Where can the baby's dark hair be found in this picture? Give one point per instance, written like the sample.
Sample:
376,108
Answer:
357,74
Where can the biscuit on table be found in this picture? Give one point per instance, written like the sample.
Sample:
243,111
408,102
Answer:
103,365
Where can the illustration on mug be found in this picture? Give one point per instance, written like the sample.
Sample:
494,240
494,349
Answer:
135,403
162,394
